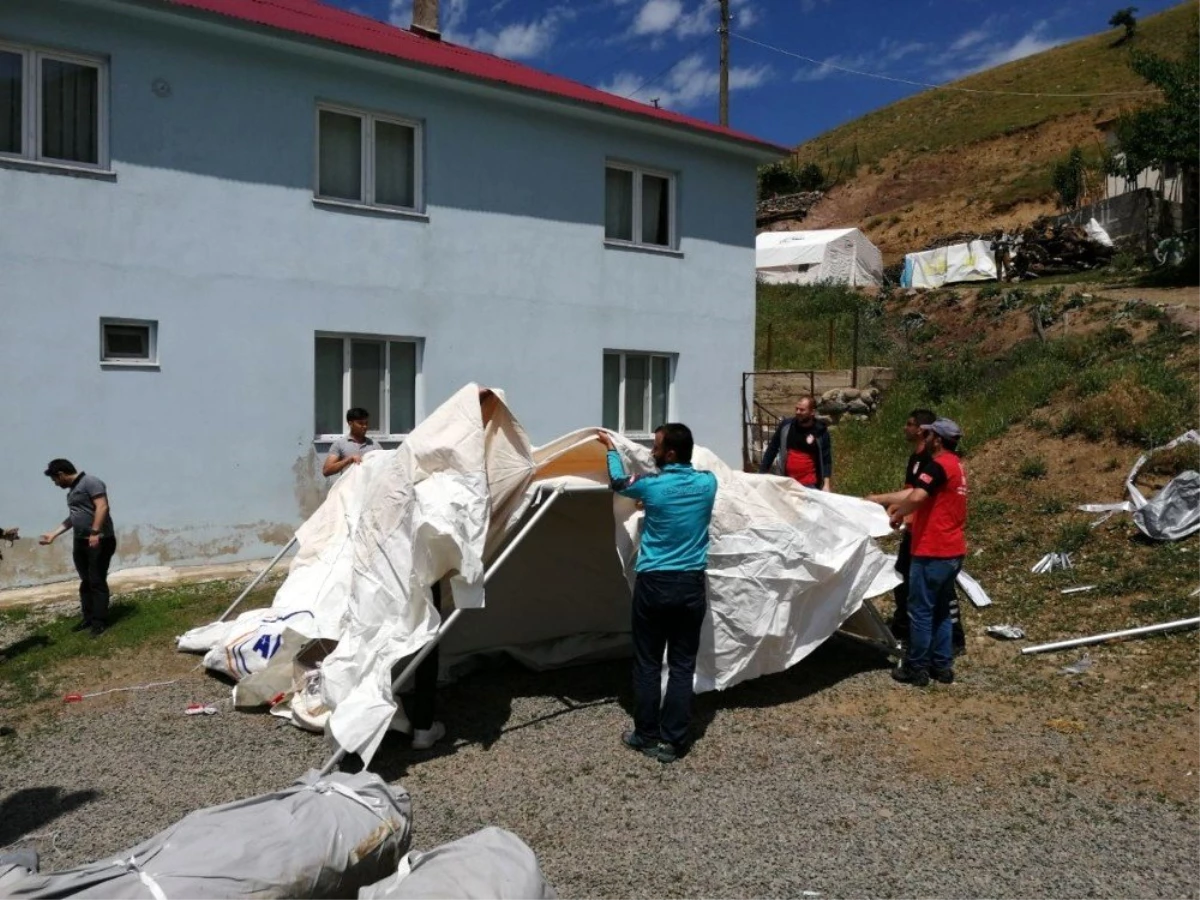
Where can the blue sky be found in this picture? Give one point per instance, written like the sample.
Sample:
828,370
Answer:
666,50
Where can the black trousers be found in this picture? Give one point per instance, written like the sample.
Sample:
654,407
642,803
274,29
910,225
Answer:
425,680
92,565
668,611
899,622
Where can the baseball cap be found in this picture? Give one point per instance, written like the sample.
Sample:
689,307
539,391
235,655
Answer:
944,428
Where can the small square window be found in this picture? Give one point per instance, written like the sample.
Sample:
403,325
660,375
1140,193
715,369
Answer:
639,206
129,342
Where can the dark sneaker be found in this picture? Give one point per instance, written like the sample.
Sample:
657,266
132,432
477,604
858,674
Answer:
942,676
81,626
635,741
98,630
915,677
663,752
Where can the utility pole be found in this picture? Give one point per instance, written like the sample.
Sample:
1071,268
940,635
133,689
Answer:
723,31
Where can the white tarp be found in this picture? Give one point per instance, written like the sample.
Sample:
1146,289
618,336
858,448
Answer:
841,255
325,836
787,566
972,261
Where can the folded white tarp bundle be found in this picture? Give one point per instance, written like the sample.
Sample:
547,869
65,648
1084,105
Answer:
491,864
325,836
972,261
1173,513
787,566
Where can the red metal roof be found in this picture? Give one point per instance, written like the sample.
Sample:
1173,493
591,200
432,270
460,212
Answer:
328,23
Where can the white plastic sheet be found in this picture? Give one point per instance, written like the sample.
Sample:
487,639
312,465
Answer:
972,261
787,565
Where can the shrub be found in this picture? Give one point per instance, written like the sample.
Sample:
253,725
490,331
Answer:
1072,536
1032,468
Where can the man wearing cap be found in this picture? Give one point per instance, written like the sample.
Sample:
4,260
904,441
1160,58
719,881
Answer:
916,439
938,504
349,450
88,515
800,448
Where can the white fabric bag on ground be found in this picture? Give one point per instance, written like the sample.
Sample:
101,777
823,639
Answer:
322,837
491,864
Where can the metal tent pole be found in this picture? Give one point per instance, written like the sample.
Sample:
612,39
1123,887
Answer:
337,757
1178,625
261,575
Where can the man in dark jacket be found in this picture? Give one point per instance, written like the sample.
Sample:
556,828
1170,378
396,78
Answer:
801,449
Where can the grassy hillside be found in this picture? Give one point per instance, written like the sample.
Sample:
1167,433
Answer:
938,119
944,161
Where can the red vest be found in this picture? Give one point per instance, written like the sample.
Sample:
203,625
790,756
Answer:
938,524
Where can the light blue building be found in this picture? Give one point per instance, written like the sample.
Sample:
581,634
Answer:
223,222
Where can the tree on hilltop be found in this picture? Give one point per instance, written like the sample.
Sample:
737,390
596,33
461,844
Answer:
1125,18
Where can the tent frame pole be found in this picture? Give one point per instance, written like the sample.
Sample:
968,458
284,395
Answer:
261,575
542,508
1178,625
890,647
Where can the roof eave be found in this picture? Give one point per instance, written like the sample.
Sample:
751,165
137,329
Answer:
758,151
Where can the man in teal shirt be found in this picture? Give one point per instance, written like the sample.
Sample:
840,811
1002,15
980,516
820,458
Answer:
669,601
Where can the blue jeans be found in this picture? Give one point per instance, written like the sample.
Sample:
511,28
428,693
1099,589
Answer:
930,591
668,612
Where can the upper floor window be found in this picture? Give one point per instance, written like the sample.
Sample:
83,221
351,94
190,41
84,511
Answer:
637,392
639,206
367,159
53,107
378,374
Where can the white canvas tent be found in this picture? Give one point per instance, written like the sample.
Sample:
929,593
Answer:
467,501
972,261
841,255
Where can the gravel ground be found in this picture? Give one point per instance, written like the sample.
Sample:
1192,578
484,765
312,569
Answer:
797,785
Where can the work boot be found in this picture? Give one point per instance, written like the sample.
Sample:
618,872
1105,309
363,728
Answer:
942,676
906,675
425,738
663,752
635,741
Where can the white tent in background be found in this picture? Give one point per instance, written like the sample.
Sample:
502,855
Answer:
465,493
839,255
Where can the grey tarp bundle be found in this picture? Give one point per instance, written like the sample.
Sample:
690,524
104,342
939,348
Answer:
1174,512
491,864
322,837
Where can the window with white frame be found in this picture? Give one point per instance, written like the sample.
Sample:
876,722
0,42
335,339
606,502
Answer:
637,391
377,373
368,159
53,107
639,206
129,342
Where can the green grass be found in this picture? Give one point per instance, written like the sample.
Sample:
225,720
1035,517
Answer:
793,327
1032,468
31,668
935,119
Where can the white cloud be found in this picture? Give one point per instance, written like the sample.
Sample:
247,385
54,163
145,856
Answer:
963,59
970,39
657,16
519,40
877,61
693,81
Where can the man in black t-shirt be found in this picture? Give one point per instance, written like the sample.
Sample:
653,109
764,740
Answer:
915,438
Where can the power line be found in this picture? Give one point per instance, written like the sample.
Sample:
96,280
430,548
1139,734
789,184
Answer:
649,81
940,87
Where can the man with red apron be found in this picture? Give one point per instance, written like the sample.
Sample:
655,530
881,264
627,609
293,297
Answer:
800,449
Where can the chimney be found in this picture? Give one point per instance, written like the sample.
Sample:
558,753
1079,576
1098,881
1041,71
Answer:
425,19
